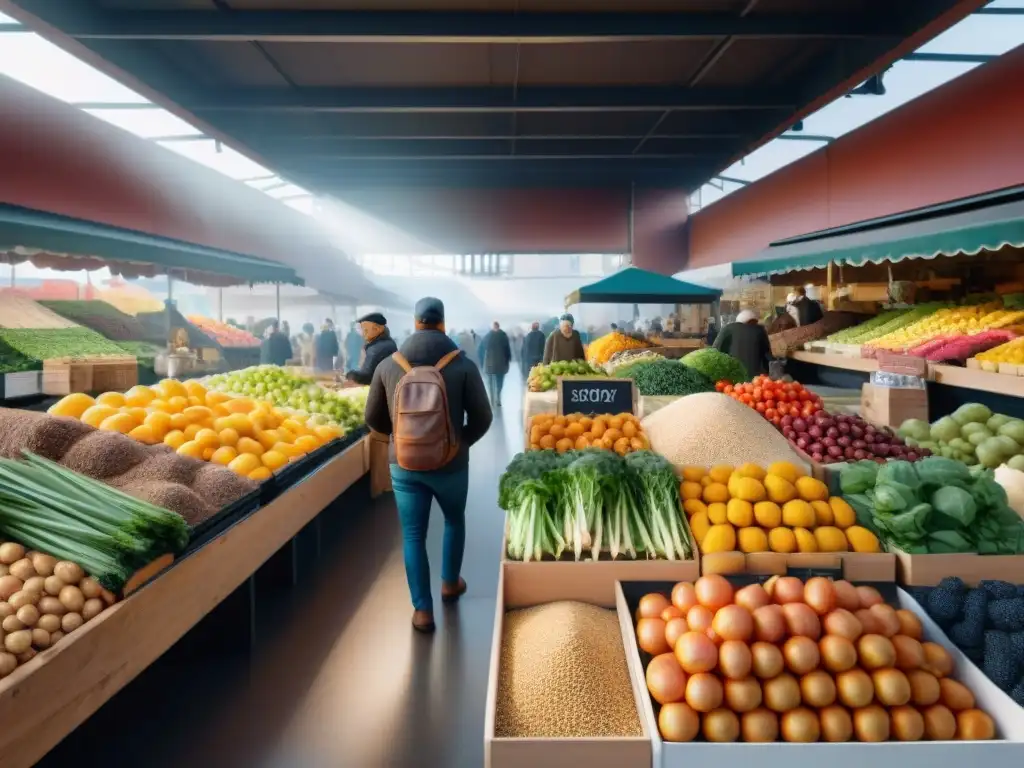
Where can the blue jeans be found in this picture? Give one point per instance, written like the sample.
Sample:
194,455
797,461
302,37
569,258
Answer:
414,493
495,381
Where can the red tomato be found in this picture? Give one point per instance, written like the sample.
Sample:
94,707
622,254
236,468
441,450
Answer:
746,399
771,413
728,389
769,403
758,393
760,407
804,396
777,421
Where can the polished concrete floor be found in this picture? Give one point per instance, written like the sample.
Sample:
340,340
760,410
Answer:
338,677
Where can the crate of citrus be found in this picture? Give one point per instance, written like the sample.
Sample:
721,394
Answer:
621,433
766,519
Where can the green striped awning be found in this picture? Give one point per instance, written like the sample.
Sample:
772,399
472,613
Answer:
27,228
917,235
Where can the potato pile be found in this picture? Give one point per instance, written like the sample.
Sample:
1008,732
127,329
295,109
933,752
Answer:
751,508
43,599
799,662
194,489
621,433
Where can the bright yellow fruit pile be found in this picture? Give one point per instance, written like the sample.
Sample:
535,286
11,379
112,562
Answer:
600,350
1011,352
778,509
249,437
949,322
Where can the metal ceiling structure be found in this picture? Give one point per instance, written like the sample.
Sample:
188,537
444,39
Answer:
343,94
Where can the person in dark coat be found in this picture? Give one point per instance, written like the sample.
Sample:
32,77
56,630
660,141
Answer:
497,357
415,492
276,348
808,310
379,346
564,344
353,346
747,341
327,347
533,349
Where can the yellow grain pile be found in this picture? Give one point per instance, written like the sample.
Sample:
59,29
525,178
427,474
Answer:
563,674
708,429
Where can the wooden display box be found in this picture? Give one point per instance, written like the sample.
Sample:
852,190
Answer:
1008,716
519,588
891,406
855,566
115,375
590,581
929,570
62,377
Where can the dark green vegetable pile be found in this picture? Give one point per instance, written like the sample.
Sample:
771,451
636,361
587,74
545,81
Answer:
106,319
12,361
665,377
593,499
53,343
716,365
934,506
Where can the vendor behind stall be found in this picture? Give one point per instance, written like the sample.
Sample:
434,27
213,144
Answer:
564,344
327,347
747,341
276,348
379,346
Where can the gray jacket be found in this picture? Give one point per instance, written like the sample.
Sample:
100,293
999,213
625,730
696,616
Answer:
470,410
497,352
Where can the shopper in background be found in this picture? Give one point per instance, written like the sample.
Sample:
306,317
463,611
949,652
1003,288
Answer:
533,349
497,357
564,343
747,341
353,346
469,418
807,310
378,347
276,348
327,347
307,345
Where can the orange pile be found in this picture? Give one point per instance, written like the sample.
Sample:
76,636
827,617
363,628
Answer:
621,433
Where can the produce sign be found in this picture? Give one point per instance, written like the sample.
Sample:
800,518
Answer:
542,378
778,509
935,506
192,489
971,434
42,599
716,365
800,662
595,396
621,433
249,437
986,623
601,350
57,343
592,500
655,378
224,334
105,319
285,389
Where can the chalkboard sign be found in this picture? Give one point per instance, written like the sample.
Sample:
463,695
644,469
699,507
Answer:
596,395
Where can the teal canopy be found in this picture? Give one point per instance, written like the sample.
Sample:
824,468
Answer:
964,227
638,286
27,228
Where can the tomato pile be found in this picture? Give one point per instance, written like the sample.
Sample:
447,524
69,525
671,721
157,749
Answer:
773,399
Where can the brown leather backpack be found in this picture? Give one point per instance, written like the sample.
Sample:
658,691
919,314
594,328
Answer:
422,426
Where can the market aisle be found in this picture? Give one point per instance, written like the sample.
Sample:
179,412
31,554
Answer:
348,682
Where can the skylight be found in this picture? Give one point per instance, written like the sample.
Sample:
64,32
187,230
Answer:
985,34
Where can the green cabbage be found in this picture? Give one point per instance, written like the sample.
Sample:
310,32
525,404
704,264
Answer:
955,503
716,365
858,477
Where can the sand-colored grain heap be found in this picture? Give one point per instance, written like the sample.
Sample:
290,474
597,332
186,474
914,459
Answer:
563,674
709,428
192,488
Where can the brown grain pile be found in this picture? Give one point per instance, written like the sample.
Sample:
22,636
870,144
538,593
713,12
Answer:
563,674
192,488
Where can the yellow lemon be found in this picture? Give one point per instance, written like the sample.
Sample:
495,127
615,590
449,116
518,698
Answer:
191,431
328,432
245,463
178,404
214,398
285,435
160,405
287,449
159,421
191,449
260,474
176,438
228,436
691,490
144,434
113,399
179,421
224,455
786,470
96,414
712,493
768,514
195,389
169,388
207,438
273,460
197,413
248,445
139,396
239,405
267,438
72,406
307,443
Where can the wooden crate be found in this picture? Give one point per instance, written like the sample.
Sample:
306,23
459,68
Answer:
115,374
62,377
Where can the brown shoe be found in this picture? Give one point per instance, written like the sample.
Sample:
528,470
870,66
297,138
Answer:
423,621
450,594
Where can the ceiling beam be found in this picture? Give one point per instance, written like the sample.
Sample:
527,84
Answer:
466,26
952,58
488,99
286,141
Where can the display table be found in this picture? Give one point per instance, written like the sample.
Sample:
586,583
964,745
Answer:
48,697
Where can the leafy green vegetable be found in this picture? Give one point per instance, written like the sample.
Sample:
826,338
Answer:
936,470
955,503
12,361
858,477
665,377
53,343
898,472
716,365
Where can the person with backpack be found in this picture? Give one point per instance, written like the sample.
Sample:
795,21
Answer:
432,402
